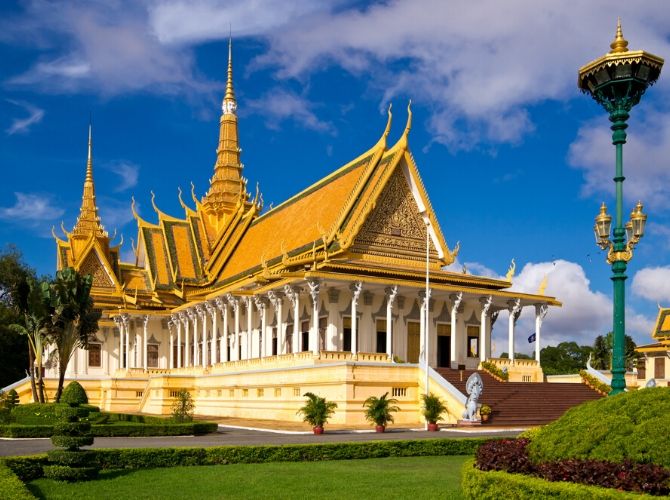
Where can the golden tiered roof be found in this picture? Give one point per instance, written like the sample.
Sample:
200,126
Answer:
369,219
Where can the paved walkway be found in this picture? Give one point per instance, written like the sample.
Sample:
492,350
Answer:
246,435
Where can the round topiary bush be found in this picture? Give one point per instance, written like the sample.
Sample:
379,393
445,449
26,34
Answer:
74,394
629,426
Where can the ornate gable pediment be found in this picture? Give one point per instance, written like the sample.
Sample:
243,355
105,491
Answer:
395,227
93,265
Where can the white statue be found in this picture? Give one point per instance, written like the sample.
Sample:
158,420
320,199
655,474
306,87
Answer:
651,383
474,387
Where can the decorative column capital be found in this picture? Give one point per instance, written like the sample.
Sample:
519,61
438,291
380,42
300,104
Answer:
261,302
191,314
541,310
145,320
486,304
314,288
211,309
125,318
221,304
456,299
391,293
233,301
514,309
275,298
291,293
200,310
356,288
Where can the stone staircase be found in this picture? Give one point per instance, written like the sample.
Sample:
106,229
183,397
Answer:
523,403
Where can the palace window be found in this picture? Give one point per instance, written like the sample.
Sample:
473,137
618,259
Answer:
346,333
304,335
381,335
274,340
323,326
473,342
152,355
94,355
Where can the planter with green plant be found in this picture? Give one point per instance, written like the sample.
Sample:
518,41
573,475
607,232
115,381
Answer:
379,411
485,412
432,408
316,411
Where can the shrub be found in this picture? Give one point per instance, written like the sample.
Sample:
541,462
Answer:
74,394
35,413
596,384
508,455
494,370
379,410
11,399
11,487
67,473
628,426
166,428
71,443
182,407
316,410
480,485
432,408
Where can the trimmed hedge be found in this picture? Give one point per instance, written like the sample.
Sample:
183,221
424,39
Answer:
595,383
119,429
11,487
629,426
67,473
494,485
495,370
29,468
48,413
74,394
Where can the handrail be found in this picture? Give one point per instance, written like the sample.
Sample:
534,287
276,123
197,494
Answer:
445,384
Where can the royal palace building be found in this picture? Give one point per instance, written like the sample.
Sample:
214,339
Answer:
340,290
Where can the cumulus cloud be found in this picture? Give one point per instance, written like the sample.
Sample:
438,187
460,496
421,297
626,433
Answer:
475,268
653,283
646,156
23,125
128,173
586,313
278,105
31,207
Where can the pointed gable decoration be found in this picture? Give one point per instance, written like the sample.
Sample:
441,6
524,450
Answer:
93,265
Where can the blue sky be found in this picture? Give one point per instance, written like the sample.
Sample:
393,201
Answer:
515,160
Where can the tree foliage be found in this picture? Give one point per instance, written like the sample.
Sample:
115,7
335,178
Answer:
73,317
566,357
316,410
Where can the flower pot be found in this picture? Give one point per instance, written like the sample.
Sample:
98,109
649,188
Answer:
317,429
433,427
380,428
485,418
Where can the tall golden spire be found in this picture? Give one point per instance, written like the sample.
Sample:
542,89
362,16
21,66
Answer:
88,221
226,187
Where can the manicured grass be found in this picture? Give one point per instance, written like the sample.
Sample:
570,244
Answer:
402,478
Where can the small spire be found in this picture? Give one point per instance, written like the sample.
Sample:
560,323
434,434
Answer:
89,160
229,102
620,44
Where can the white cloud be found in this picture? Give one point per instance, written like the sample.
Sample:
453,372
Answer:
278,105
653,283
127,171
474,268
646,157
31,207
115,214
586,313
22,125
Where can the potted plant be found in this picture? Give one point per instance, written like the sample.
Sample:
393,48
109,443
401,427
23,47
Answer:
485,412
432,410
316,411
380,411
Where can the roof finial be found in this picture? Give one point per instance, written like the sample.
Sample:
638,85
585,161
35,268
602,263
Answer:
88,221
620,44
89,160
229,103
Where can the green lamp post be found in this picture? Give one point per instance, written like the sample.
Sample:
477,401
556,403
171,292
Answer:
617,81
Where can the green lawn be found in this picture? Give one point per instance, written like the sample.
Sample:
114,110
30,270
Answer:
403,478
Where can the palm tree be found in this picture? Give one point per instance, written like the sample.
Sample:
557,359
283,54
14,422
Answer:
73,318
29,301
317,410
380,410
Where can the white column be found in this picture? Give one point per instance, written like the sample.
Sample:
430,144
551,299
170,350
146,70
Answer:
249,336
540,312
179,320
211,310
187,338
119,325
202,314
424,328
126,327
222,305
355,293
234,349
277,302
486,305
171,355
391,293
514,307
456,299
145,361
293,294
263,338
314,287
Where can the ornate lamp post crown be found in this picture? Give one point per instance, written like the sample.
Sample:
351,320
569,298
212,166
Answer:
617,82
